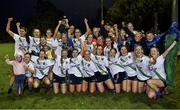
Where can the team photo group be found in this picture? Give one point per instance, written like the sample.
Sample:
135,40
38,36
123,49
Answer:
116,58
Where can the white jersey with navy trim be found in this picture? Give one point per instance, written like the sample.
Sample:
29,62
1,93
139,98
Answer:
90,47
58,45
75,66
107,49
101,63
115,65
41,66
89,68
158,68
77,43
34,44
30,65
60,66
129,65
142,65
20,44
49,42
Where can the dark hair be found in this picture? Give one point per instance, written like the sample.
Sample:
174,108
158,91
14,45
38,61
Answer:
42,50
64,50
27,37
113,49
27,53
49,29
122,47
155,48
74,49
150,31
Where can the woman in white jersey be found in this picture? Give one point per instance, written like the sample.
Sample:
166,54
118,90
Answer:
29,74
126,59
75,71
59,72
34,42
156,65
102,76
49,35
78,37
109,44
89,70
21,43
89,44
116,69
42,69
142,64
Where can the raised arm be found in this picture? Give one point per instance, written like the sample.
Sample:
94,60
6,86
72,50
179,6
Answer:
8,27
94,48
88,30
116,30
8,60
66,23
57,28
18,28
169,49
82,48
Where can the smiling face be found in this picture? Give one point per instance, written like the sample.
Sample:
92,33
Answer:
64,54
149,36
43,41
124,50
59,35
49,33
108,41
42,54
77,33
154,52
99,50
27,58
23,32
64,38
87,55
130,26
100,40
36,33
138,51
138,37
96,31
90,38
112,52
74,53
18,58
122,32
71,29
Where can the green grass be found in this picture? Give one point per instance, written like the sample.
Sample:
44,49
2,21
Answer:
82,100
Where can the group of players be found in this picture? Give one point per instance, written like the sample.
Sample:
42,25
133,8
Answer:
105,57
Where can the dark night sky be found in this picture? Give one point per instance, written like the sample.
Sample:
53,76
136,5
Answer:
21,10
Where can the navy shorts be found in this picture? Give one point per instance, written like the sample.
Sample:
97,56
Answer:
58,79
100,77
119,77
145,81
132,78
74,79
41,78
90,79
